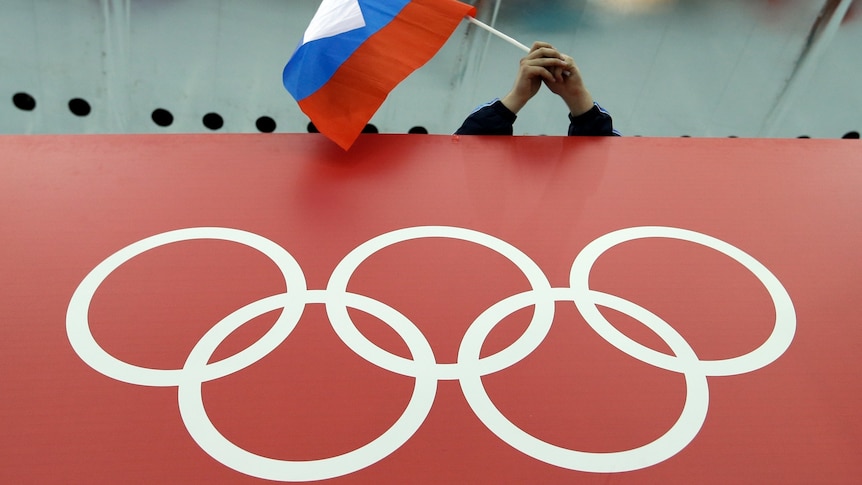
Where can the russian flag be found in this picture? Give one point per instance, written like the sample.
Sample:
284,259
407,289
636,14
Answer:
354,53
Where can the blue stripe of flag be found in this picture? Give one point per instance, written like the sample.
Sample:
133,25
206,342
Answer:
314,63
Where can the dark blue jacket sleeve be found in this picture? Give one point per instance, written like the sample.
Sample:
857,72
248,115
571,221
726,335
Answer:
595,122
496,119
490,119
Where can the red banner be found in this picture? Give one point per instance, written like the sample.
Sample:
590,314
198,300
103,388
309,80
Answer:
430,309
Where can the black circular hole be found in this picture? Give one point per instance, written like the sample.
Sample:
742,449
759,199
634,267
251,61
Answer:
162,117
213,121
851,135
418,130
79,107
311,128
369,128
803,136
24,101
265,124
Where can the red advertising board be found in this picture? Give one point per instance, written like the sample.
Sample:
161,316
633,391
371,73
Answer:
430,309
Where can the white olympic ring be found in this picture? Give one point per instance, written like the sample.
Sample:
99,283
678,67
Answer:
469,367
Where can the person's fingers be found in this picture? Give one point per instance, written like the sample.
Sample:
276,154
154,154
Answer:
549,58
531,71
560,73
549,69
548,62
566,70
545,52
544,62
569,68
539,44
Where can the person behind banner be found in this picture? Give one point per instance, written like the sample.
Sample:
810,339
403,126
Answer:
543,65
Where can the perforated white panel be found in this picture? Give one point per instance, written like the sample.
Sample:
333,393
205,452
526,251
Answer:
670,68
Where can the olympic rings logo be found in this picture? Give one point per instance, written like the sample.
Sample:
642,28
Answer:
469,368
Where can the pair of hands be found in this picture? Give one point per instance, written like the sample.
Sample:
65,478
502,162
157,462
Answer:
557,71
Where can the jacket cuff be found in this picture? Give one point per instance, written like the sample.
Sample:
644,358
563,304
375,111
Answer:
504,112
582,118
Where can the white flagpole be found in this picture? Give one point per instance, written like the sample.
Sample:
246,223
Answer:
498,33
